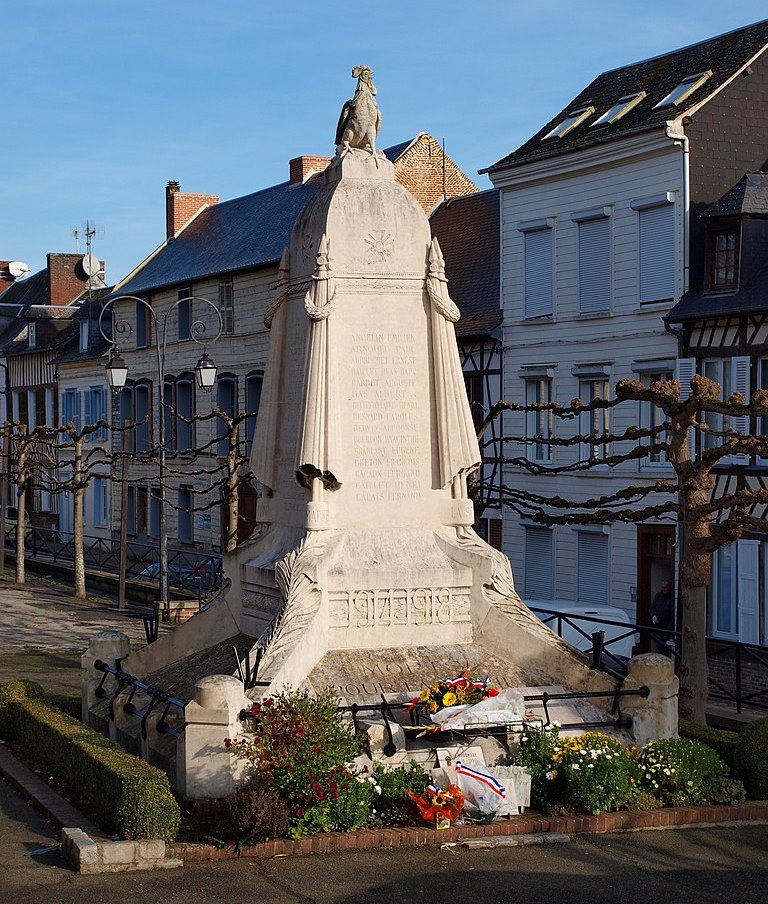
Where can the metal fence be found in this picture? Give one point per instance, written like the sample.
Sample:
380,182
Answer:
738,672
195,571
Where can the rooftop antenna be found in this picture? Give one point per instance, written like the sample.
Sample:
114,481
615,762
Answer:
76,234
90,263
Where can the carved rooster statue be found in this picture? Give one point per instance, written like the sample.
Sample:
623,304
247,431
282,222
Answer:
360,118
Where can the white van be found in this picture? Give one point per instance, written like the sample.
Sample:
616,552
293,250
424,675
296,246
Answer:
577,621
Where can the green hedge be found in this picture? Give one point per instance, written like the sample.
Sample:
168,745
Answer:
128,795
719,739
752,759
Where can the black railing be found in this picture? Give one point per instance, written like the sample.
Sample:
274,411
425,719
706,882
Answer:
197,572
157,698
739,657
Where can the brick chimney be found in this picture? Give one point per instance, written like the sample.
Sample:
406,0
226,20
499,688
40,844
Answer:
303,167
66,278
181,207
6,280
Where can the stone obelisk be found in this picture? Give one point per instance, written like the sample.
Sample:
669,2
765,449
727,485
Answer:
366,573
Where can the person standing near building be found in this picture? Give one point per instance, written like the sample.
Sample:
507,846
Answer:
661,613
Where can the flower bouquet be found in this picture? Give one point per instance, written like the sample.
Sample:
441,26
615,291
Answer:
459,691
465,702
438,805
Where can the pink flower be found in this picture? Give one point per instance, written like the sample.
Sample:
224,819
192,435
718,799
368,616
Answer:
256,709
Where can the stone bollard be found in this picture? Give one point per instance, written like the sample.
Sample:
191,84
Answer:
205,767
654,716
109,646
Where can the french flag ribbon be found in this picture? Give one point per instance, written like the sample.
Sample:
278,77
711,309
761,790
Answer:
481,777
455,682
433,789
481,684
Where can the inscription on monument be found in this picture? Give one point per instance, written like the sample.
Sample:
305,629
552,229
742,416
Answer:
385,418
398,606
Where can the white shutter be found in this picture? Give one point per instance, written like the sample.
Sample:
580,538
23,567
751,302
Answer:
538,273
538,563
740,383
657,253
592,576
747,591
595,266
685,371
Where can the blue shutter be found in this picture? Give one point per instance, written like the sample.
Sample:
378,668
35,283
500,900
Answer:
748,595
740,383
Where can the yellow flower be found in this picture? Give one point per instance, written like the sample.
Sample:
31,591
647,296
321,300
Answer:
424,695
432,706
449,699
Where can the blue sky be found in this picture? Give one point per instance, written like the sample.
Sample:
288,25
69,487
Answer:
105,102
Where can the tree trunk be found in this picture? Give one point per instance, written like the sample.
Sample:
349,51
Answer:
233,500
77,515
21,530
694,671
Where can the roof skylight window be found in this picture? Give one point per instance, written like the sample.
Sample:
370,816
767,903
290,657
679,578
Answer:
684,89
622,106
570,122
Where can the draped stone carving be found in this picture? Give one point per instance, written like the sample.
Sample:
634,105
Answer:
318,449
263,457
458,449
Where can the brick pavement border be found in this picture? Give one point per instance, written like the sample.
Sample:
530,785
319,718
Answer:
65,815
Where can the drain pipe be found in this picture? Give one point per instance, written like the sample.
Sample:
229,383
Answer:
681,137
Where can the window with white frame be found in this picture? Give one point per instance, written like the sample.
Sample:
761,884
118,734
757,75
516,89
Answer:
227,306
538,424
651,416
594,261
733,375
572,120
592,582
735,591
185,513
622,106
253,385
538,276
539,547
70,408
184,314
684,89
657,247
594,423
100,501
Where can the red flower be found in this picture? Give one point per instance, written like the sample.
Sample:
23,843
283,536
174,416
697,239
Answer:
492,692
227,742
256,709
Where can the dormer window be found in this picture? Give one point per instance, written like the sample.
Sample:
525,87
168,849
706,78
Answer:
570,122
622,106
31,335
684,89
723,267
84,335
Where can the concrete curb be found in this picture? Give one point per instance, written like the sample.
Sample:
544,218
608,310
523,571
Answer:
86,848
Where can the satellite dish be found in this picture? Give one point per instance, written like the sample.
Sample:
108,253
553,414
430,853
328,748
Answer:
17,269
91,265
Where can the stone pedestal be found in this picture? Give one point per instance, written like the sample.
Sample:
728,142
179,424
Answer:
656,715
205,767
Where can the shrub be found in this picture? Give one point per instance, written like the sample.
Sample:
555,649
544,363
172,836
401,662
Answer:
721,741
752,759
683,773
301,749
13,691
126,794
393,807
588,773
250,815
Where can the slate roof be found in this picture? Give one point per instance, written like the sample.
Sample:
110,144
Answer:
748,197
32,290
468,231
240,234
90,309
52,324
748,299
724,55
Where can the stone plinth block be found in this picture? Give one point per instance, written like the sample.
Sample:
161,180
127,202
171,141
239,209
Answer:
205,767
654,716
110,647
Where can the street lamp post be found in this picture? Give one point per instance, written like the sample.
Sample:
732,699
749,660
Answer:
117,374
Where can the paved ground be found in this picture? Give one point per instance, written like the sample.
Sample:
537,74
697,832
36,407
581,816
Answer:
724,865
44,631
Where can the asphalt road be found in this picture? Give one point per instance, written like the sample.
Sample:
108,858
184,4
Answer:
728,865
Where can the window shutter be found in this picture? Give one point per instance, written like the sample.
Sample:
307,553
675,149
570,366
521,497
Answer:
657,253
592,577
538,273
685,371
538,563
88,414
747,591
595,266
740,383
